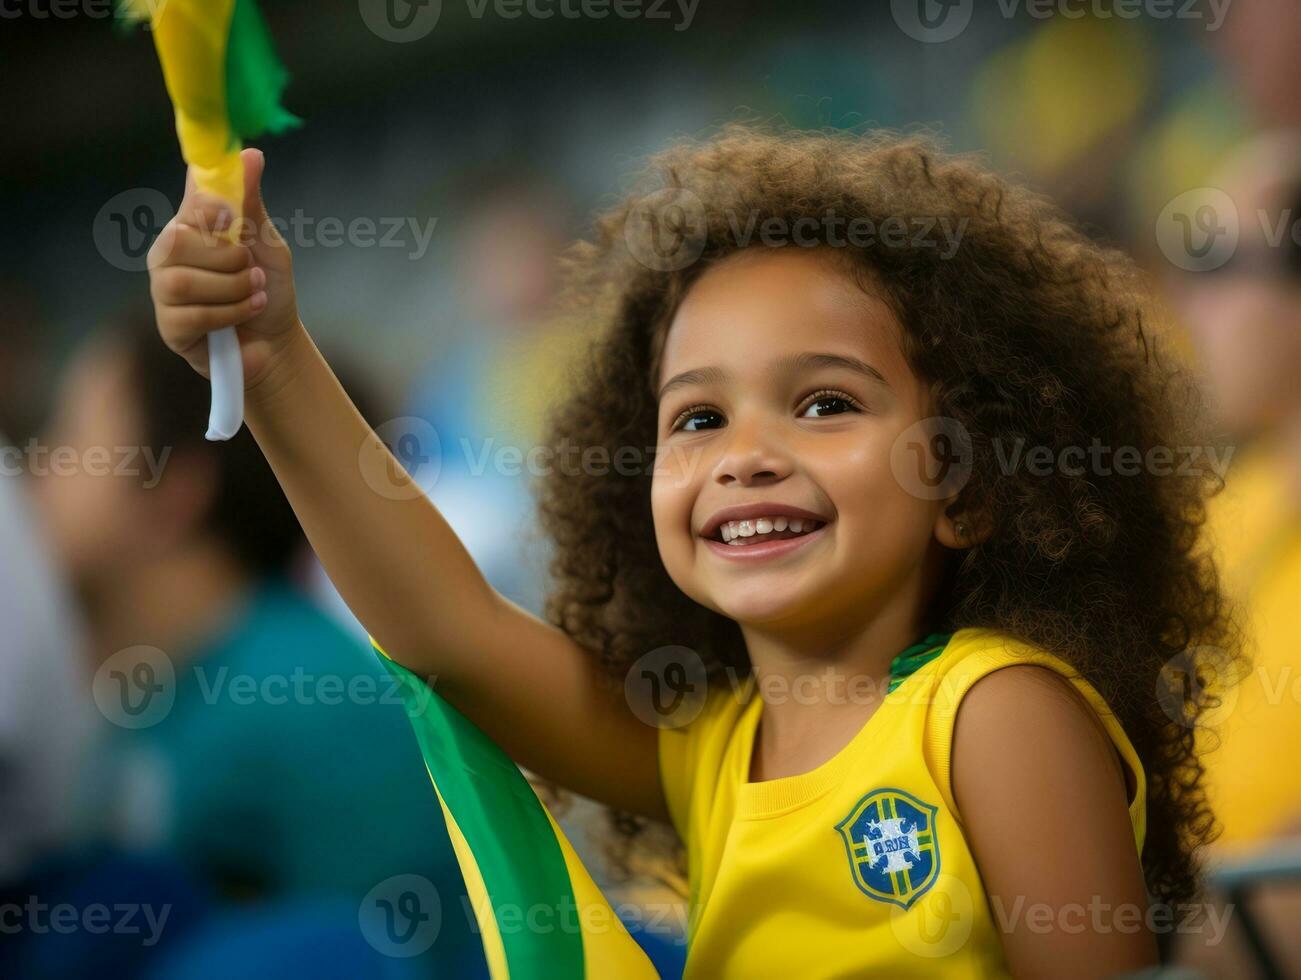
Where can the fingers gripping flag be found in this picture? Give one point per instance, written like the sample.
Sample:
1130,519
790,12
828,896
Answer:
225,83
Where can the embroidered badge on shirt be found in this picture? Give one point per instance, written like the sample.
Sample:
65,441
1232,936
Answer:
890,838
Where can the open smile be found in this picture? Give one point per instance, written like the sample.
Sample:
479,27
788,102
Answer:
764,549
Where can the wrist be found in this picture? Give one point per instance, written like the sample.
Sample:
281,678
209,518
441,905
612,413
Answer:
287,354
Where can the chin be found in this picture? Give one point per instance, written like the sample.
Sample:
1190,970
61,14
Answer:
758,606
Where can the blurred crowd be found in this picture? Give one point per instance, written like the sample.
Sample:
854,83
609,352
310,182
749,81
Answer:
193,726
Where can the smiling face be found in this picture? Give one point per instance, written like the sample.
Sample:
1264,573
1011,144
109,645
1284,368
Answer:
770,420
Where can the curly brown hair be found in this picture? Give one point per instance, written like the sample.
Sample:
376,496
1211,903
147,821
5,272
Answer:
1027,331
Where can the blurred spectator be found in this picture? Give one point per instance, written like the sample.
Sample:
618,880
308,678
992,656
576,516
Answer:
45,715
1062,104
98,912
485,397
1259,43
25,367
1245,322
250,736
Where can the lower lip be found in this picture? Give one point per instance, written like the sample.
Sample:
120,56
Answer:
768,549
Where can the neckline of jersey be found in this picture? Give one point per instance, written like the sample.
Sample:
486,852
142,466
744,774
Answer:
773,797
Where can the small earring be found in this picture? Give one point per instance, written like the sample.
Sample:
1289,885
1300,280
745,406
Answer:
961,529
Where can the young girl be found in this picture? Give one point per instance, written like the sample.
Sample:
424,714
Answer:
928,619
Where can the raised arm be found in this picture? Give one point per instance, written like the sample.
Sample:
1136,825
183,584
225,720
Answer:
393,557
409,579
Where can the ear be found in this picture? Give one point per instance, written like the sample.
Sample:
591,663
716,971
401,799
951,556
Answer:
958,529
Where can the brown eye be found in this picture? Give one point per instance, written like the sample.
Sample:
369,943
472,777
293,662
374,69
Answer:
831,397
690,415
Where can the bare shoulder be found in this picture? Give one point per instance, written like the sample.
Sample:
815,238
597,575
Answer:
1025,726
1042,796
1029,711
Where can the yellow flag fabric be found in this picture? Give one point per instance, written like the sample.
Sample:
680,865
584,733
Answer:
539,912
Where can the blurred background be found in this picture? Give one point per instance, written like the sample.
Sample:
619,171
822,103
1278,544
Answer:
449,151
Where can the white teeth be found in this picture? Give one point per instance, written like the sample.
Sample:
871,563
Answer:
733,530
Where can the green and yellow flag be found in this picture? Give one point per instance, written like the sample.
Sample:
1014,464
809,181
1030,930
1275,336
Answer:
225,83
224,80
518,866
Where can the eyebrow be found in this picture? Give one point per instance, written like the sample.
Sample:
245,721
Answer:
791,363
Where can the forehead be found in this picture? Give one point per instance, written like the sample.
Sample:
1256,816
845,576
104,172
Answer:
760,304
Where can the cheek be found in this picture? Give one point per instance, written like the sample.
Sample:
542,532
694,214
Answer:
671,498
877,513
675,481
673,494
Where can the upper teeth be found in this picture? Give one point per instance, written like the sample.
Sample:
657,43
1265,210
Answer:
731,530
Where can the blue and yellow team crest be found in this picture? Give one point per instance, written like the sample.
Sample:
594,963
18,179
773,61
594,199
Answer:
893,854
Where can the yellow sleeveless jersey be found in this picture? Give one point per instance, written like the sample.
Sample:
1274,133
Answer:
858,867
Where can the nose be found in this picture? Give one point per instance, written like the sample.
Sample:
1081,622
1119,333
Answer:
751,455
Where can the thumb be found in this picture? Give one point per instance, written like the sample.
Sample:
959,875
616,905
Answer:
264,233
